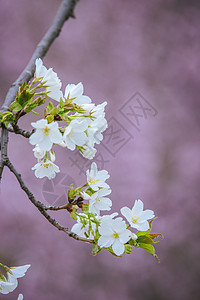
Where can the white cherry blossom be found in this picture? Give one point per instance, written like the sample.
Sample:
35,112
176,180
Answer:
75,92
96,179
20,271
50,78
98,110
83,231
137,217
99,202
114,233
75,134
8,285
46,169
88,152
45,135
95,129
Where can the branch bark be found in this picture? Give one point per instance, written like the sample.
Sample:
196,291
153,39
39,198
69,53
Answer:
65,11
41,207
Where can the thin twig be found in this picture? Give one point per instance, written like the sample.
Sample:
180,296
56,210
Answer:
41,207
18,130
66,206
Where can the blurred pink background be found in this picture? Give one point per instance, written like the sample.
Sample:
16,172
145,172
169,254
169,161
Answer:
120,50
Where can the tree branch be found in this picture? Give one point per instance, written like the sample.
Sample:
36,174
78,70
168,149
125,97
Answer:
65,11
4,143
20,131
41,207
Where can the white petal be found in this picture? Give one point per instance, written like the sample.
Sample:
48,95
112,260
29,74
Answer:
105,241
125,236
147,215
19,272
137,208
143,226
127,213
118,248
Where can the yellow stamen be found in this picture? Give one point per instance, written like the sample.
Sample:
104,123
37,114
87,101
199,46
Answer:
116,235
46,130
46,165
135,220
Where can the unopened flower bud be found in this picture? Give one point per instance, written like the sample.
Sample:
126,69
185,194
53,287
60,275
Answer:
38,153
85,196
134,236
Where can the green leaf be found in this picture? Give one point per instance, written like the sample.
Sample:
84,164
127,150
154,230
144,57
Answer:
7,117
50,119
128,249
50,109
149,248
37,102
155,235
145,240
85,208
64,117
71,192
24,97
73,216
15,106
133,243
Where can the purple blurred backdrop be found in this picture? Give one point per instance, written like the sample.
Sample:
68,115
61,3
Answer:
124,52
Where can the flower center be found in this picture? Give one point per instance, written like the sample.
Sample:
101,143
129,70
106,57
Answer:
97,200
92,180
116,235
46,165
71,134
46,130
135,219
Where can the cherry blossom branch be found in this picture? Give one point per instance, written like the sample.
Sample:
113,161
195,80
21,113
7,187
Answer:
65,11
40,206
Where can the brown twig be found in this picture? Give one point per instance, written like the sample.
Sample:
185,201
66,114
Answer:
24,133
65,11
41,207
15,128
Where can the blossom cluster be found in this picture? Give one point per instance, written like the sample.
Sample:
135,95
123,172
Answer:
10,283
84,122
108,231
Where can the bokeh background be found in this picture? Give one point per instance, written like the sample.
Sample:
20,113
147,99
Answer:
121,51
